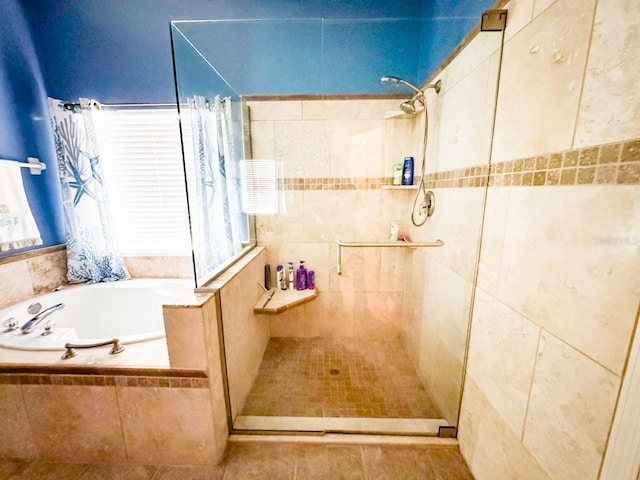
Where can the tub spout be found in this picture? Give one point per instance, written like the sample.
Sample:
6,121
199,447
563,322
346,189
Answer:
37,319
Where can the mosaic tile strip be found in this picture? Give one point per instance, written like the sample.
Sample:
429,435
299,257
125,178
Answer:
103,380
612,164
609,164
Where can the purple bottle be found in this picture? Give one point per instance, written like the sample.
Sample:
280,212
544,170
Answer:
311,279
301,277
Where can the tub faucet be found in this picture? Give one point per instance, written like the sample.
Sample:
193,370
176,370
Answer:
35,321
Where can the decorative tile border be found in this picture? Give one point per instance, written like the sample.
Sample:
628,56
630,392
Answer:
23,375
608,164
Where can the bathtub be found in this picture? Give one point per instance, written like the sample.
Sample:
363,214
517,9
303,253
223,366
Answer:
130,310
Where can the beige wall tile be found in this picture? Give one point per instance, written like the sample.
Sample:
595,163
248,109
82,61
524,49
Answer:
556,273
328,215
262,139
302,147
570,411
456,221
488,445
15,436
398,144
168,425
48,271
315,255
329,109
393,269
540,5
502,354
367,215
184,328
160,266
331,315
75,423
288,224
378,315
610,106
275,110
447,298
541,80
495,222
15,283
246,335
360,270
465,119
441,372
520,14
376,109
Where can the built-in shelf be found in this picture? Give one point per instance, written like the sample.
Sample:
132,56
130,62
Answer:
399,114
277,301
399,187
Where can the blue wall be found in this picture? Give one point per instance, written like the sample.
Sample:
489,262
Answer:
118,51
24,120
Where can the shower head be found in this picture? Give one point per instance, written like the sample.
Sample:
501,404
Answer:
417,103
414,105
395,81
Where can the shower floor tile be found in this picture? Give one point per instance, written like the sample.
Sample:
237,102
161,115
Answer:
322,377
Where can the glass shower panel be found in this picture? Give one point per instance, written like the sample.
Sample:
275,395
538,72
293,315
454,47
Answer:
262,57
383,347
358,52
212,139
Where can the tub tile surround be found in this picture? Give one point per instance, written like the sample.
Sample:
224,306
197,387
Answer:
70,423
32,273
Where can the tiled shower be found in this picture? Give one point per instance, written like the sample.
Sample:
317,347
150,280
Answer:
539,215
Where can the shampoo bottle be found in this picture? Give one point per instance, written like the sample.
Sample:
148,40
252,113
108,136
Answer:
301,277
291,276
282,280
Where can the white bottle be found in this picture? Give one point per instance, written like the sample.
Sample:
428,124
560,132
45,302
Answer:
394,230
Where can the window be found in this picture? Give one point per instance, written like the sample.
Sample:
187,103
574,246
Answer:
142,160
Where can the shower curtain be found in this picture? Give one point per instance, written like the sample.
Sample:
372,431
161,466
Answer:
92,255
217,229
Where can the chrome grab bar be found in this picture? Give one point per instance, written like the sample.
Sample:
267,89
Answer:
341,244
71,352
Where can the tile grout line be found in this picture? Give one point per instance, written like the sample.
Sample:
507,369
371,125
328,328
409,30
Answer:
584,74
533,374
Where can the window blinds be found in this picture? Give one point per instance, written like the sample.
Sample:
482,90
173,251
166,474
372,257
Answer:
142,160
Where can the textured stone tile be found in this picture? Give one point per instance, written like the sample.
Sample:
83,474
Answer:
50,471
611,96
540,82
570,411
123,471
569,265
75,423
321,462
168,425
15,436
261,461
502,355
189,473
488,445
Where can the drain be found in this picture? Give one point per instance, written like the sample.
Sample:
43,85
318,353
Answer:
334,371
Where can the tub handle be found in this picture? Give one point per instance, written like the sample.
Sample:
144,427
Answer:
71,351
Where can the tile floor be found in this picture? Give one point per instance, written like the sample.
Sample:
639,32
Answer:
315,377
272,461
